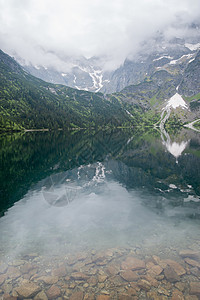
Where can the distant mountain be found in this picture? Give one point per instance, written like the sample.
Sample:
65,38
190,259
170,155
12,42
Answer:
28,102
175,55
174,89
87,74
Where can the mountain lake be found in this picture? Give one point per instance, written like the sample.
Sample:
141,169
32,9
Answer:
109,214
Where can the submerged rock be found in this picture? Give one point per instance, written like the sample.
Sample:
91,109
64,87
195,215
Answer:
41,296
2,279
77,296
27,290
192,262
48,279
113,270
132,263
79,276
61,271
195,288
171,275
125,297
129,275
103,297
176,267
53,292
189,253
144,284
155,270
8,297
89,297
177,295
13,273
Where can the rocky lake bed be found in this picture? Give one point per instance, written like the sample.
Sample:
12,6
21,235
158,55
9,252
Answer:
114,273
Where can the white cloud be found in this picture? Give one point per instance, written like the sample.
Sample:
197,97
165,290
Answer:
47,31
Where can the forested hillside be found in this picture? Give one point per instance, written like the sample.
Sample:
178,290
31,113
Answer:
30,103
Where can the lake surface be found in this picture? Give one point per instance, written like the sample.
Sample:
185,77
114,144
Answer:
76,207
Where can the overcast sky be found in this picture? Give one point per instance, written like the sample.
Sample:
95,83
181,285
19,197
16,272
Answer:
47,31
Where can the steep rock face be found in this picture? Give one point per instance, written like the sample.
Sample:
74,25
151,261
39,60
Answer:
8,62
190,84
158,88
134,72
152,92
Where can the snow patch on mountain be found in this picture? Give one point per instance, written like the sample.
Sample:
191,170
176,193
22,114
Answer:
179,60
191,60
176,101
96,75
193,47
97,78
165,56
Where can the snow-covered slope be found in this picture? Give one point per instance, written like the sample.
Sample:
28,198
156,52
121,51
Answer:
176,101
173,103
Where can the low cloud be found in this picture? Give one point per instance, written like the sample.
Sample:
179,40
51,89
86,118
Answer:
49,33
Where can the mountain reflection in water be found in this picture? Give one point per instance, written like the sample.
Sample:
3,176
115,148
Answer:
64,193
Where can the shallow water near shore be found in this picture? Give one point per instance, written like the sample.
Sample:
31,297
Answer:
100,215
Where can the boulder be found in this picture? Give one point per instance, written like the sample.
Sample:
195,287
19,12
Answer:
189,253
132,263
77,296
27,289
171,275
41,296
176,267
53,292
129,275
195,288
79,276
177,295
155,270
192,262
144,284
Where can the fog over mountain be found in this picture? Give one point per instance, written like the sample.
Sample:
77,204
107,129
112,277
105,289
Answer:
56,34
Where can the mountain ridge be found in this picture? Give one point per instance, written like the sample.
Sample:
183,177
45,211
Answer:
89,74
30,103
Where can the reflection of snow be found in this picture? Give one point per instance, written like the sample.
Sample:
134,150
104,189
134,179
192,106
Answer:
190,125
129,113
176,149
173,186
